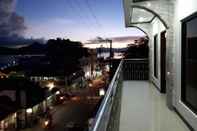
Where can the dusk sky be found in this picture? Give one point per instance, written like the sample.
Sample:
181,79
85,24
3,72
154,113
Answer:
75,19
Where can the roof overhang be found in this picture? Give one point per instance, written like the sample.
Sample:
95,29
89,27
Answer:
140,12
140,0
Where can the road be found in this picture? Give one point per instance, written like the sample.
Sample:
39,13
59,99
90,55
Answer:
73,111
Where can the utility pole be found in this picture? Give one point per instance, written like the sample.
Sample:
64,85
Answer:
111,52
111,58
101,40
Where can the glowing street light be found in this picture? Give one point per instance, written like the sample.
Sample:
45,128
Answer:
61,98
87,74
15,115
29,110
101,92
51,85
90,85
57,93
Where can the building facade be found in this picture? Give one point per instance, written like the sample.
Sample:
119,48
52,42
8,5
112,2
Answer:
171,28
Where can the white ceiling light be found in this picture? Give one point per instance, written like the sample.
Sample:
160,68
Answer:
148,4
141,19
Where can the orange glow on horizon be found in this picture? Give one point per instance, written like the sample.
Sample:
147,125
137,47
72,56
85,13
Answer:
106,45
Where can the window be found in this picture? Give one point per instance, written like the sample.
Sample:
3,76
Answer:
155,56
189,62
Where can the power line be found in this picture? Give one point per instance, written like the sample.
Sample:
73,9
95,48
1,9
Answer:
75,11
79,5
99,25
93,14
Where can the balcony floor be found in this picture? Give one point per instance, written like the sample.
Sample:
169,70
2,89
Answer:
144,109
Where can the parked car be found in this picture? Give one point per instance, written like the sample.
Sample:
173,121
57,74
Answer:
71,126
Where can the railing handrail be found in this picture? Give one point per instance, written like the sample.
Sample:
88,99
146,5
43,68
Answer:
136,59
105,100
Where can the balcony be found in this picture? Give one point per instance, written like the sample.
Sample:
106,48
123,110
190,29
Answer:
133,103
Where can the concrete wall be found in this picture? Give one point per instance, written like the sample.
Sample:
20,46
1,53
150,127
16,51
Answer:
172,12
157,28
183,9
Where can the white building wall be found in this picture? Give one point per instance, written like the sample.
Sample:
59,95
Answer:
157,29
183,9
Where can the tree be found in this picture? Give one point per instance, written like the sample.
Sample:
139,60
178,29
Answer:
65,54
138,50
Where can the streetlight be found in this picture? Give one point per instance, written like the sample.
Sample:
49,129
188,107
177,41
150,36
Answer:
29,110
51,85
87,74
90,85
101,92
57,93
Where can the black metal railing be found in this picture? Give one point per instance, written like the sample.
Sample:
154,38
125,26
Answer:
136,69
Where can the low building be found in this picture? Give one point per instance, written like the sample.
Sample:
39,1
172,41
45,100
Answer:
19,94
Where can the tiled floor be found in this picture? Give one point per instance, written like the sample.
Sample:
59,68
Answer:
144,109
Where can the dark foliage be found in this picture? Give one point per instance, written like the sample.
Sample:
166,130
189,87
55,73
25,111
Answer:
65,54
139,50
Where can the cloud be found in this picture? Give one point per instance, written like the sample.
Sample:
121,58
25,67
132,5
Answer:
11,24
125,38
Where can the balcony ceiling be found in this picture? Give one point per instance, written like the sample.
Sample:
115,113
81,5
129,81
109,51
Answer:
139,0
138,13
141,16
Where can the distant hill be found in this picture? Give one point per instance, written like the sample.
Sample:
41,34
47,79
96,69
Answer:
35,48
17,42
8,51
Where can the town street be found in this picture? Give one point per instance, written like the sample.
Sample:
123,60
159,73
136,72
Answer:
78,111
